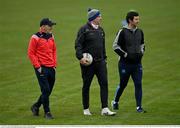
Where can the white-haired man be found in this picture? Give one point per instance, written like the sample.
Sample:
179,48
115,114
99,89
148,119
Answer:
91,39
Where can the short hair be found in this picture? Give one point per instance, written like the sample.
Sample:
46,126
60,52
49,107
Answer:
130,15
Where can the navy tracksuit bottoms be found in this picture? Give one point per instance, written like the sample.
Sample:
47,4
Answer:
46,81
125,71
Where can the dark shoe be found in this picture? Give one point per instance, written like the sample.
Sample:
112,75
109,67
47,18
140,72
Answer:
35,110
48,115
140,110
115,105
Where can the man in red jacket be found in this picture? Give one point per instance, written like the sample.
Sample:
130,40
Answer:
42,54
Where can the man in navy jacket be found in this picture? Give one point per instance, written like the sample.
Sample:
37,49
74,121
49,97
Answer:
129,45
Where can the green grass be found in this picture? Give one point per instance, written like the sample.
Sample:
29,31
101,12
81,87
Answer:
19,19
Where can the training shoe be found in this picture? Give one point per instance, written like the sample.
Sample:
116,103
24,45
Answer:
35,110
48,115
107,112
87,112
115,105
140,110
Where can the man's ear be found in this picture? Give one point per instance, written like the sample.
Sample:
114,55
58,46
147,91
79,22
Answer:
130,20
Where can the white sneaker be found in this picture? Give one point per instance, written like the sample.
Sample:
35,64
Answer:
107,112
87,112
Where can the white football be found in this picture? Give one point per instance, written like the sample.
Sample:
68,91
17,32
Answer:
88,57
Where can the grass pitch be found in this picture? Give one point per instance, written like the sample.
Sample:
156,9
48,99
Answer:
19,19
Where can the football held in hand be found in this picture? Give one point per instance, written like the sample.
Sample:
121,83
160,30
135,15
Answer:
88,58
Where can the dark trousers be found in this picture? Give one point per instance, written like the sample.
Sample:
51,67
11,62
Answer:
100,70
125,71
46,81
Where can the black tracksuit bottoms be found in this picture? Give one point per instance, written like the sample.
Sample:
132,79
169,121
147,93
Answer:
46,81
100,70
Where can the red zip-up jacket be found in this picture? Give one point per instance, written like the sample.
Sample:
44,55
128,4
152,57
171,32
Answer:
42,50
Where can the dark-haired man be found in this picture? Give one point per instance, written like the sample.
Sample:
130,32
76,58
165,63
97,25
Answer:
129,45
